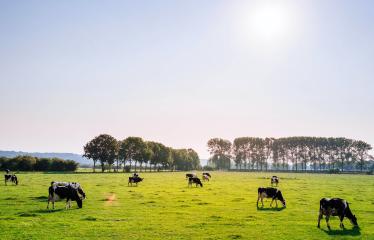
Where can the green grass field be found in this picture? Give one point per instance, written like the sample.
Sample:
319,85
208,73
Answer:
163,207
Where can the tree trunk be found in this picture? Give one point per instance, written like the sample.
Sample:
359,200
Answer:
94,166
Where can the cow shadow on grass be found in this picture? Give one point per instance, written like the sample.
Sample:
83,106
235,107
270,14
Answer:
40,198
49,211
272,209
343,232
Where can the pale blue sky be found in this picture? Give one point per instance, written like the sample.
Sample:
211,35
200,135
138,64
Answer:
181,72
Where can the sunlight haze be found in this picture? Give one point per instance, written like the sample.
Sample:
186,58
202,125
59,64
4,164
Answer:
182,72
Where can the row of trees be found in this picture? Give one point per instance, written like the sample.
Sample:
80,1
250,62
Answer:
29,163
290,153
135,152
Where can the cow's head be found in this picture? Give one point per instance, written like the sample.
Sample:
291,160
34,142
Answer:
81,192
80,203
353,220
280,197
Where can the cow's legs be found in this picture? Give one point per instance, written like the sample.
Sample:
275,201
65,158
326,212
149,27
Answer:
341,217
272,200
262,201
327,221
319,219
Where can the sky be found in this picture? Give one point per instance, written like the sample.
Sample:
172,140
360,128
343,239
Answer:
182,72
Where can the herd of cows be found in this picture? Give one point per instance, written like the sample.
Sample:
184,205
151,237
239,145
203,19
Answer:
72,191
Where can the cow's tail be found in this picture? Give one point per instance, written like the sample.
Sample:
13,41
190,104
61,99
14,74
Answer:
16,180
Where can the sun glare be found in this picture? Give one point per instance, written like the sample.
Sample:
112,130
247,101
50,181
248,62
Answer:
269,22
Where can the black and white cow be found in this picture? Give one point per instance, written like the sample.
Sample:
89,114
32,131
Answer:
190,175
335,207
10,178
69,191
272,193
206,178
135,180
194,180
207,174
274,180
73,184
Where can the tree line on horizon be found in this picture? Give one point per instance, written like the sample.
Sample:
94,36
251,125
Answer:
29,163
130,152
290,153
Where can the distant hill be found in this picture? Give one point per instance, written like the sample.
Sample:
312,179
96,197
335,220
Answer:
67,156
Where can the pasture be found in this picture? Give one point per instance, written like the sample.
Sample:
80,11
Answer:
163,207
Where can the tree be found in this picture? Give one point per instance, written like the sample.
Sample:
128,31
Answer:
155,158
42,164
361,152
102,148
220,150
131,149
25,163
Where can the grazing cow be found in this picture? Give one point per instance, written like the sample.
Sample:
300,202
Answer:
205,178
335,207
73,184
135,180
272,193
190,175
195,180
274,180
69,192
207,174
11,178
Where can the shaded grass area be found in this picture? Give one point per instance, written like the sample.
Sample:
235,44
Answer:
163,207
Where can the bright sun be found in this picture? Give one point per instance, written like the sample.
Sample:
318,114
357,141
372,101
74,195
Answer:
269,22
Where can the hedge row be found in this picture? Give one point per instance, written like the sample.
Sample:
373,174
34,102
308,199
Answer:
29,163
